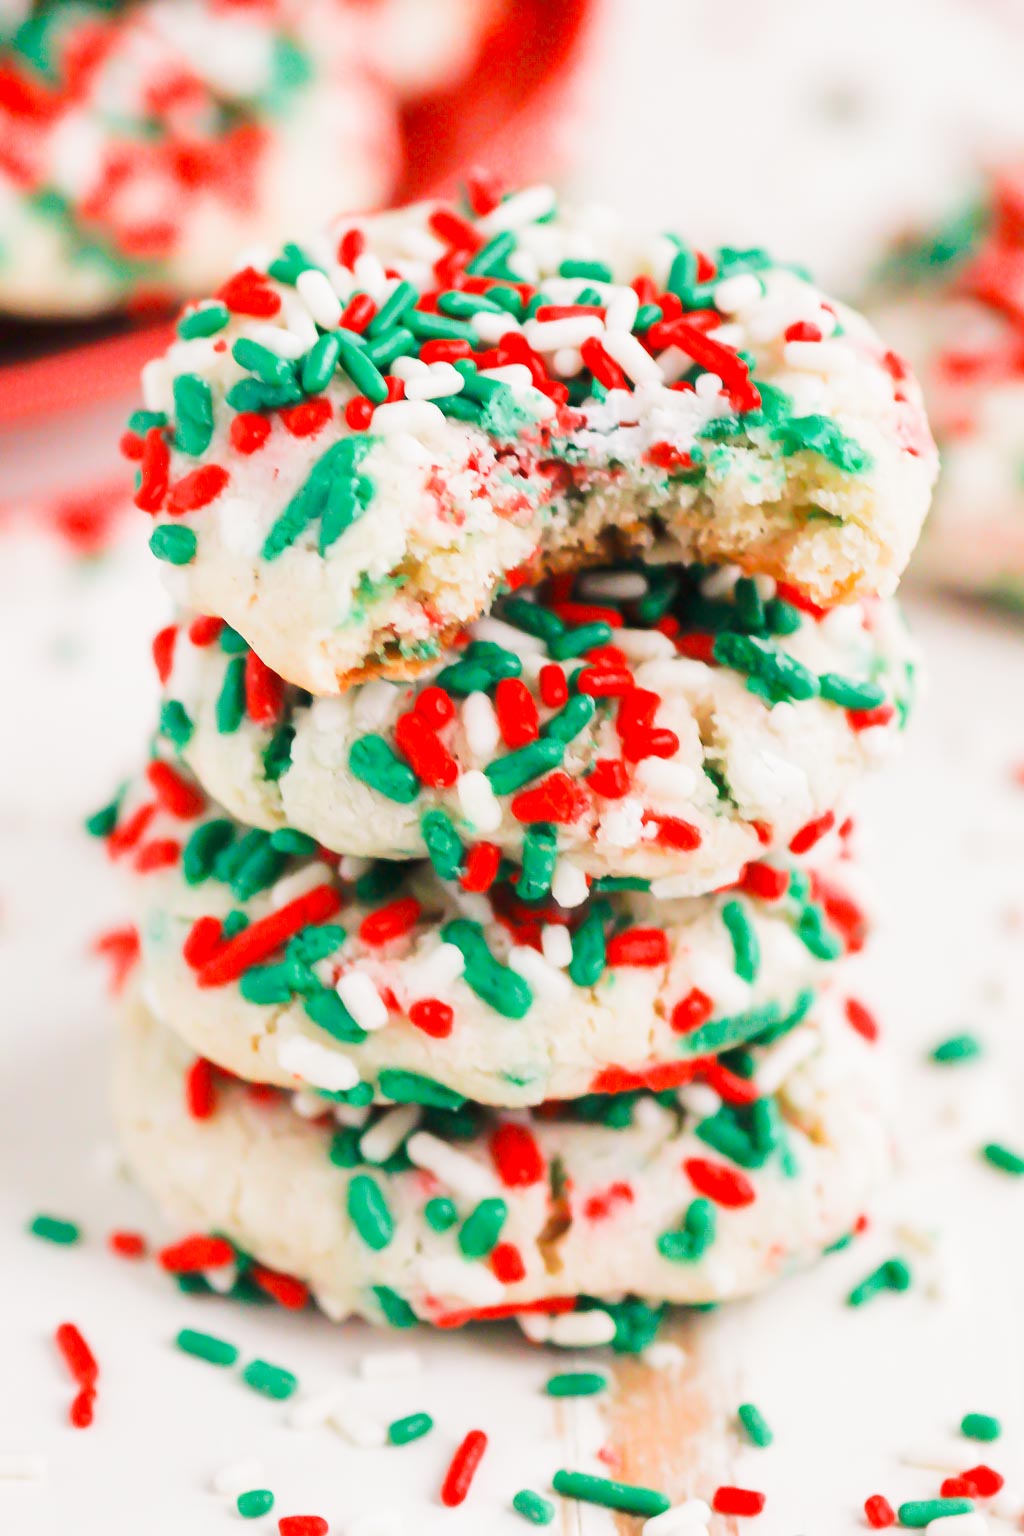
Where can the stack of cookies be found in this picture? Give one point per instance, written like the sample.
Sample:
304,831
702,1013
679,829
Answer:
534,583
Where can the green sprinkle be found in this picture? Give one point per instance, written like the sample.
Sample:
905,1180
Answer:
402,297
820,434
584,637
576,1384
320,362
516,769
534,619
567,724
278,755
502,988
746,949
440,1214
375,764
540,852
812,928
229,710
533,1507
206,1346
53,1230
444,846
397,1311
205,321
261,361
589,949
627,1497
258,1501
754,1425
695,1237
140,422
102,822
173,543
413,1427
600,271
980,1426
363,371
482,1228
921,1512
414,1088
780,676
271,1380
957,1048
490,257
1003,1158
369,1212
203,848
848,693
193,411
893,1275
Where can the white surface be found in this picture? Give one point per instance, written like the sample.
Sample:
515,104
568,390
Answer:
846,1392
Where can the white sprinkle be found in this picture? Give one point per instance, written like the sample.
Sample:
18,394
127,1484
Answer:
362,1000
459,1280
663,1355
409,368
687,1519
491,328
623,586
524,207
377,1522
389,1365
384,1138
351,1420
355,1115
480,805
552,335
237,1476
277,339
781,1059
707,386
439,382
319,297
307,1105
734,295
509,636
632,356
370,276
313,1410
556,944
301,880
568,884
970,1524
407,416
223,1279
721,582
818,356
667,779
516,375
567,362
699,1100
432,974
582,1329
316,1064
22,1466
480,724
641,645
457,1170
543,978
350,866
621,309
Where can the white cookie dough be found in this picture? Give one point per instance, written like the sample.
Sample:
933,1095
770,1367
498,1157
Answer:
497,1000
751,421
584,1213
694,771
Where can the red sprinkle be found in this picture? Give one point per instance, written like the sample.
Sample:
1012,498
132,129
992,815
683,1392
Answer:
737,1501
605,681
692,1011
249,432
608,778
159,854
205,630
154,471
725,1186
516,712
302,1525
163,651
878,1512
350,247
249,293
867,719
436,706
82,1408
554,690
358,412
175,794
427,755
78,1357
673,832
507,1264
261,939
201,942
391,921
862,1019
285,1289
434,1017
264,691
557,798
201,1089
765,882
127,1245
984,1482
481,871
517,1157
197,489
812,833
308,417
196,1253
462,1468
638,946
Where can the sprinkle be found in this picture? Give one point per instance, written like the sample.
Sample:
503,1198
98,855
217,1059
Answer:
878,1512
53,1230
725,1186
254,1502
78,1357
516,1155
369,1212
1003,1158
262,938
687,1519
362,1000
481,1228
498,985
196,1253
921,1512
127,1245
745,946
533,1507
456,1169
312,1063
754,1425
206,1346
576,1384
893,1275
729,1500
630,1498
81,1412
373,762
956,1049
302,1525
415,1088
413,1427
174,544
270,1380
980,1426
462,1468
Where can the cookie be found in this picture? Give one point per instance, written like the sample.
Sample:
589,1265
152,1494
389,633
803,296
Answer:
351,452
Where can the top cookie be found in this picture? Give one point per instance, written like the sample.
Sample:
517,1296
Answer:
355,447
